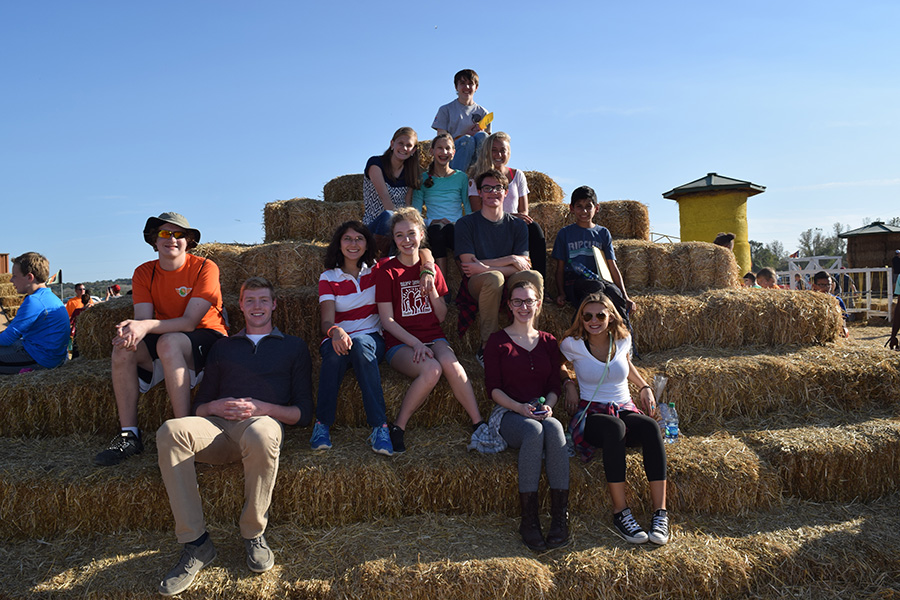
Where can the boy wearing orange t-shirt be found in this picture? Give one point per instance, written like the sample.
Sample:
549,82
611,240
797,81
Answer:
177,318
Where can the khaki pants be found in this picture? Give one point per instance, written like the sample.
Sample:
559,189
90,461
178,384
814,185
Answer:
487,289
255,441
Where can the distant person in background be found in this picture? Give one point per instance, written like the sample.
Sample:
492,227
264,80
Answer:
76,301
177,318
822,282
799,284
494,154
38,336
766,278
726,240
86,302
113,291
895,266
461,119
895,322
750,280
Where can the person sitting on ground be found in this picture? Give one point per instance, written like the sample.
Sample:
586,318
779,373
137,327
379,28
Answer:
178,315
255,383
521,365
576,265
822,282
495,154
38,336
750,280
766,278
461,119
77,300
606,417
444,195
416,345
388,183
492,247
353,332
726,240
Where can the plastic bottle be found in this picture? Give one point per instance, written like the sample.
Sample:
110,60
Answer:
670,421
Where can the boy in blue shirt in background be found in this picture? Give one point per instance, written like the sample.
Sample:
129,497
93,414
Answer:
38,337
574,245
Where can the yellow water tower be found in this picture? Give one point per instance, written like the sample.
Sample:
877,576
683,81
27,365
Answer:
715,204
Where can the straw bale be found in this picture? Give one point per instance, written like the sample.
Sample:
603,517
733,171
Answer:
541,188
346,188
849,462
229,258
492,578
286,264
681,267
759,387
11,311
8,289
97,326
13,301
5,277
631,258
307,219
424,153
625,219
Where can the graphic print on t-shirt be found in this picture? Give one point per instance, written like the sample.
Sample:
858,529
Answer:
411,301
183,291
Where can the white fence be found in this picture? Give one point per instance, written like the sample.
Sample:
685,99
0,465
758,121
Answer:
868,291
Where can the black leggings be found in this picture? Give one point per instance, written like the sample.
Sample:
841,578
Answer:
537,249
629,429
440,239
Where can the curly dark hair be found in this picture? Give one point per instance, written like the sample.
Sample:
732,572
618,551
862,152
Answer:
333,256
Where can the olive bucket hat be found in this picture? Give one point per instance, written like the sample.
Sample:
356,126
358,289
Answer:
153,224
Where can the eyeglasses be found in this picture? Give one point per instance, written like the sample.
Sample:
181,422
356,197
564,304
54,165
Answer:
166,234
487,189
590,316
518,302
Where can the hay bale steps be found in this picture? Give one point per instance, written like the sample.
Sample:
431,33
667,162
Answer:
713,390
799,550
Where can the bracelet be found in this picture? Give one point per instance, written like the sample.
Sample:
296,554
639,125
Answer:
646,387
330,329
424,272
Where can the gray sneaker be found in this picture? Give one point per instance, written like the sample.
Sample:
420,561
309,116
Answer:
259,557
193,558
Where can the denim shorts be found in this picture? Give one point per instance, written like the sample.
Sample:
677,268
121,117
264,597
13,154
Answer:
393,350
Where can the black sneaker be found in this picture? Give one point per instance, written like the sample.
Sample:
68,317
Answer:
193,558
397,439
659,527
121,447
479,356
259,557
628,528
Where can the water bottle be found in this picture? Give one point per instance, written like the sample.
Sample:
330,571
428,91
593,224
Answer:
670,422
584,271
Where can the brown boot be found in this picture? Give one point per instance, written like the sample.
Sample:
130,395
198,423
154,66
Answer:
530,528
559,513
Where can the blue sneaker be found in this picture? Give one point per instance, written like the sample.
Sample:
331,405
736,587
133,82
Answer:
321,439
381,441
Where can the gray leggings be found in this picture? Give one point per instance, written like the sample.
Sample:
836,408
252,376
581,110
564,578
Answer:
534,438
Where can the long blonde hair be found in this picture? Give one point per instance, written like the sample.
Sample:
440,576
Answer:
484,162
616,324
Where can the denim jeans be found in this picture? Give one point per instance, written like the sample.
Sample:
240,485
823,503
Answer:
466,150
365,354
382,223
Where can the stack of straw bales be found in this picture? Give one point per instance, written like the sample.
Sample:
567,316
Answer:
346,188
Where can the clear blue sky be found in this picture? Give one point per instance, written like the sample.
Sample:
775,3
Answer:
114,111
